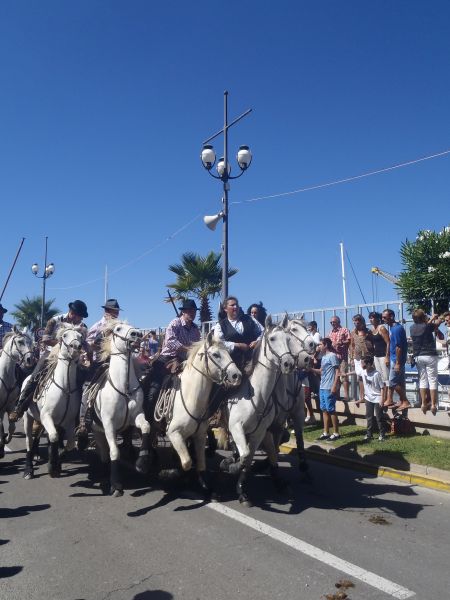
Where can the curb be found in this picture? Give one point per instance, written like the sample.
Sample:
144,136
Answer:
319,453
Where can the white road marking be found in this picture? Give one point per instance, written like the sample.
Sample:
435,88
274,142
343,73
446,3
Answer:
380,583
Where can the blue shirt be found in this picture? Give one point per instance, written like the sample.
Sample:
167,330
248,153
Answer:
398,339
329,365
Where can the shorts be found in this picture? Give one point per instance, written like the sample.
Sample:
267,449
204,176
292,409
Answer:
327,401
359,371
396,378
343,369
382,368
427,367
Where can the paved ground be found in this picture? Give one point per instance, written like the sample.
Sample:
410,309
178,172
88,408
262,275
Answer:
62,539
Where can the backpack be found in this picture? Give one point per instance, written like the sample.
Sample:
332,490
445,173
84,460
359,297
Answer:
401,425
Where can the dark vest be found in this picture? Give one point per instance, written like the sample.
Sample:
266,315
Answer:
249,334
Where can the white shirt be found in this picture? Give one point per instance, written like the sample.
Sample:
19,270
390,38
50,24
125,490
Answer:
373,384
218,333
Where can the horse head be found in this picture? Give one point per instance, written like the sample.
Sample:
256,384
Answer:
299,338
275,345
19,347
217,363
124,337
70,338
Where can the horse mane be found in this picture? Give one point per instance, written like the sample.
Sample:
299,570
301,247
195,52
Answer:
8,336
105,344
193,351
250,367
52,358
300,321
196,346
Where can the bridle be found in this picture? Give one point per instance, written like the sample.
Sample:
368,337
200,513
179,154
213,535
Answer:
22,355
279,357
127,357
223,370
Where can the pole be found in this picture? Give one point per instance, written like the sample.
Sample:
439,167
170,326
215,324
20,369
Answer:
226,187
344,289
106,283
44,279
12,268
173,303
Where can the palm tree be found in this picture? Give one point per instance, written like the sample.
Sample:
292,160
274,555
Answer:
28,313
199,276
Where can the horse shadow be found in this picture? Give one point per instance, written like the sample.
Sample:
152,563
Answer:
153,595
21,511
9,571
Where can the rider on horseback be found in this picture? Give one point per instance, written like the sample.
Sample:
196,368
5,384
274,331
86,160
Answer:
4,326
239,332
180,334
77,312
95,336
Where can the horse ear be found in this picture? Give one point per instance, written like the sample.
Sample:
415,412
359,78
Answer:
268,322
210,338
15,329
285,321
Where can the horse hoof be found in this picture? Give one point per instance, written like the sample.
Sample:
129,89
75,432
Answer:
117,493
244,501
54,471
105,488
235,468
28,475
143,464
225,464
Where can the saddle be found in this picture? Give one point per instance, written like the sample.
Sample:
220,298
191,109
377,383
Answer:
97,382
42,379
164,405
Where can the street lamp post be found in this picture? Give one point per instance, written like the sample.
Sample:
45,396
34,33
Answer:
49,269
208,157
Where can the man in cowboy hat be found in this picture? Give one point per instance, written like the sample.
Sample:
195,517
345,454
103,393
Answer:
181,333
96,332
94,339
4,326
77,312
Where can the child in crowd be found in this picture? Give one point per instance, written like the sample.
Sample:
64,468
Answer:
373,386
329,381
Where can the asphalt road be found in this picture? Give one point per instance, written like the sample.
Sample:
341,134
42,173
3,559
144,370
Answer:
62,539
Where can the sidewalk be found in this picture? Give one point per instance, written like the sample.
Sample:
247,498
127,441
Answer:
379,466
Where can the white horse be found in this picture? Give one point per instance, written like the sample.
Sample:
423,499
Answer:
118,403
251,409
288,395
57,399
17,350
208,362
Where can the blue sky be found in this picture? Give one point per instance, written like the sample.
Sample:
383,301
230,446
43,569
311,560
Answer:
104,106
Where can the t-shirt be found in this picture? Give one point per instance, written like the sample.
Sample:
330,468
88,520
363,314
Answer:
422,335
329,365
373,384
398,338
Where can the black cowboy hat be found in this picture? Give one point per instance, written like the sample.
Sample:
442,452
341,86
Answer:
3,310
79,308
188,305
111,304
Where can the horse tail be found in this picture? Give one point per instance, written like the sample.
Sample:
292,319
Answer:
222,438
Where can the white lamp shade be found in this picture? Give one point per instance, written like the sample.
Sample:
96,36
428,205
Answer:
221,167
244,157
49,269
208,157
212,220
35,268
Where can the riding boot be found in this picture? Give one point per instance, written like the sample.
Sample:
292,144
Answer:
151,400
24,400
